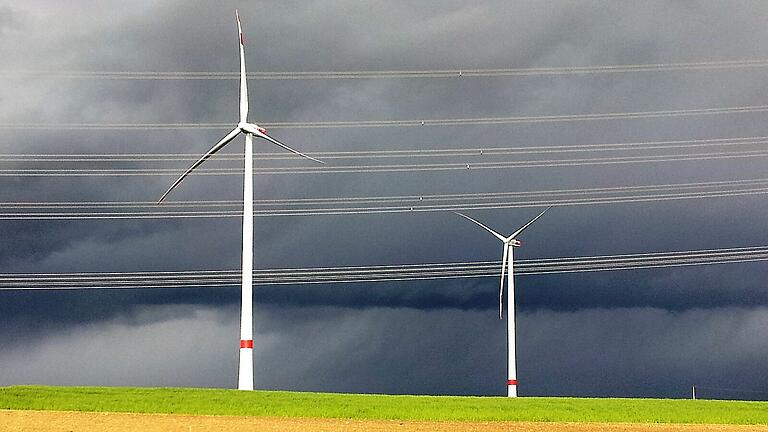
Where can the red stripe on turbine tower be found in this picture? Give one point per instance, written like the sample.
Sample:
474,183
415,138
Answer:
246,344
511,382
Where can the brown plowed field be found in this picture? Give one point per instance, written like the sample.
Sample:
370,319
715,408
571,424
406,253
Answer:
29,421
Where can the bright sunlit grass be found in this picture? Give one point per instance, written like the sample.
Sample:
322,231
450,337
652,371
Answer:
329,405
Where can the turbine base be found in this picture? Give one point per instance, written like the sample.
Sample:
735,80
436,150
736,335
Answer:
245,375
511,388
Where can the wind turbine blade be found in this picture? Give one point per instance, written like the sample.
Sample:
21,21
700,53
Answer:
219,145
243,83
501,286
516,233
498,236
278,143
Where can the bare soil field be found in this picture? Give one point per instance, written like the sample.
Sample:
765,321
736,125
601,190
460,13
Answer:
57,421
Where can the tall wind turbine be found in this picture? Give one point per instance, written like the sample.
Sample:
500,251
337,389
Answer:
250,130
507,262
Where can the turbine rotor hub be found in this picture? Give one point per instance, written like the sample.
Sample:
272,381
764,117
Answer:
251,128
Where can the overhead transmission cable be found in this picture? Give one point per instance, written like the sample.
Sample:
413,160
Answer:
403,199
379,273
384,168
360,211
404,153
365,74
382,204
397,123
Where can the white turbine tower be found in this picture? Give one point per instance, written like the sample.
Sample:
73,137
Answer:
245,375
507,260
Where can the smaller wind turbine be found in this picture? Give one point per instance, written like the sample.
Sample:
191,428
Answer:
508,261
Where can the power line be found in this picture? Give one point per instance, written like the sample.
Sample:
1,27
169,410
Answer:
388,168
395,123
162,213
410,153
423,73
520,264
379,273
730,185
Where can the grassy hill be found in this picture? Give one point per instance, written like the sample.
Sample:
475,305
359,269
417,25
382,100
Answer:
327,405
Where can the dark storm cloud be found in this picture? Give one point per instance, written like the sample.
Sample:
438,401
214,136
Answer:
646,352
108,353
347,35
592,352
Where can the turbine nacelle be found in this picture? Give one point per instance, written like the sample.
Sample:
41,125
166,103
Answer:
515,243
252,129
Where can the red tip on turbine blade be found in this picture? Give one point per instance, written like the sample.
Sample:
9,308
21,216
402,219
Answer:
242,39
511,382
237,14
246,343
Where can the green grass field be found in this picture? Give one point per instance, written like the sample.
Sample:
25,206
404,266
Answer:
326,405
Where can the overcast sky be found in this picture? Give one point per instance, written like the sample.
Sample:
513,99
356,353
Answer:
630,333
